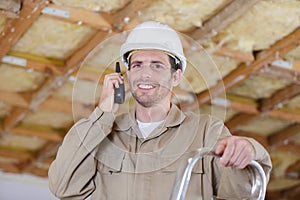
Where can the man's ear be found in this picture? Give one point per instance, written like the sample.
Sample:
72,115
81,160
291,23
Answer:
177,77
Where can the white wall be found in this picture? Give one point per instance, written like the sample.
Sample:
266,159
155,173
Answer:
17,187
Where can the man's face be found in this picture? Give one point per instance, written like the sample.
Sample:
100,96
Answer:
150,78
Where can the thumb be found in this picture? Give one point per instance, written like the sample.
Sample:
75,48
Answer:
221,147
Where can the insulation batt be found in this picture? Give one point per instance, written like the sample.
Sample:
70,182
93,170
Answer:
260,27
26,81
53,38
252,87
94,5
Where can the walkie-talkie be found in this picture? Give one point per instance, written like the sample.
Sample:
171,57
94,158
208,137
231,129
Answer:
120,91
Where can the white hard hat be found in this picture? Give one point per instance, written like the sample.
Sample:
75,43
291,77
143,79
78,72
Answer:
153,35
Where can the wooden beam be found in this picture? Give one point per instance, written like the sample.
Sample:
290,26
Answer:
45,156
283,114
231,12
75,60
49,135
10,168
14,99
77,15
8,14
16,28
285,135
20,156
66,106
293,171
123,17
234,54
32,64
238,119
238,104
281,73
281,97
289,148
261,139
12,120
238,75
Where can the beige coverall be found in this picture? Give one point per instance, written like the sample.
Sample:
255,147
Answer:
108,158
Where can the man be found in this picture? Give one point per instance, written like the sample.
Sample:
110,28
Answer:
137,155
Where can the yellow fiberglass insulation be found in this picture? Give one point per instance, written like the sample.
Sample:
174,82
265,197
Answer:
13,141
204,71
2,23
82,91
94,5
264,125
53,38
260,27
49,118
182,15
15,79
252,87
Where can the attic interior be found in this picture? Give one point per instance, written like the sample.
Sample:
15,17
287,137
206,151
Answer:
243,67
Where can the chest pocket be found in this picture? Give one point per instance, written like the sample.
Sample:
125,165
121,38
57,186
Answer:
110,164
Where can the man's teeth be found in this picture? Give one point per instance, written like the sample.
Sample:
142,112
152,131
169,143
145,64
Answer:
145,86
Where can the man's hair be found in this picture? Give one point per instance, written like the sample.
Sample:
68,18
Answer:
174,62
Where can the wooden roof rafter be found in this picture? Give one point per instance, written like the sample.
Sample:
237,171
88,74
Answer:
233,10
31,9
77,15
280,98
285,135
122,19
263,58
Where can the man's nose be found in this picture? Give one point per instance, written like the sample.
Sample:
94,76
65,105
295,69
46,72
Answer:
147,71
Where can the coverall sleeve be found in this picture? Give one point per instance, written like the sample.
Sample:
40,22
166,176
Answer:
233,183
71,173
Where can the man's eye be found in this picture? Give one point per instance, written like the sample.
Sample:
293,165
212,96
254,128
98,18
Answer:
159,66
135,66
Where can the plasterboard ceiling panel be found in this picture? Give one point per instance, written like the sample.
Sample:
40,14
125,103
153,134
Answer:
94,5
293,54
183,15
20,142
83,91
53,38
4,109
49,118
259,28
264,125
17,79
259,86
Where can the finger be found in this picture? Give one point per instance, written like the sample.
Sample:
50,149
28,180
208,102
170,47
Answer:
221,147
238,153
228,153
243,162
112,80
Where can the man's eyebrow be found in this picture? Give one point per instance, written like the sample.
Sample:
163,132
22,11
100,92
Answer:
153,61
136,62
